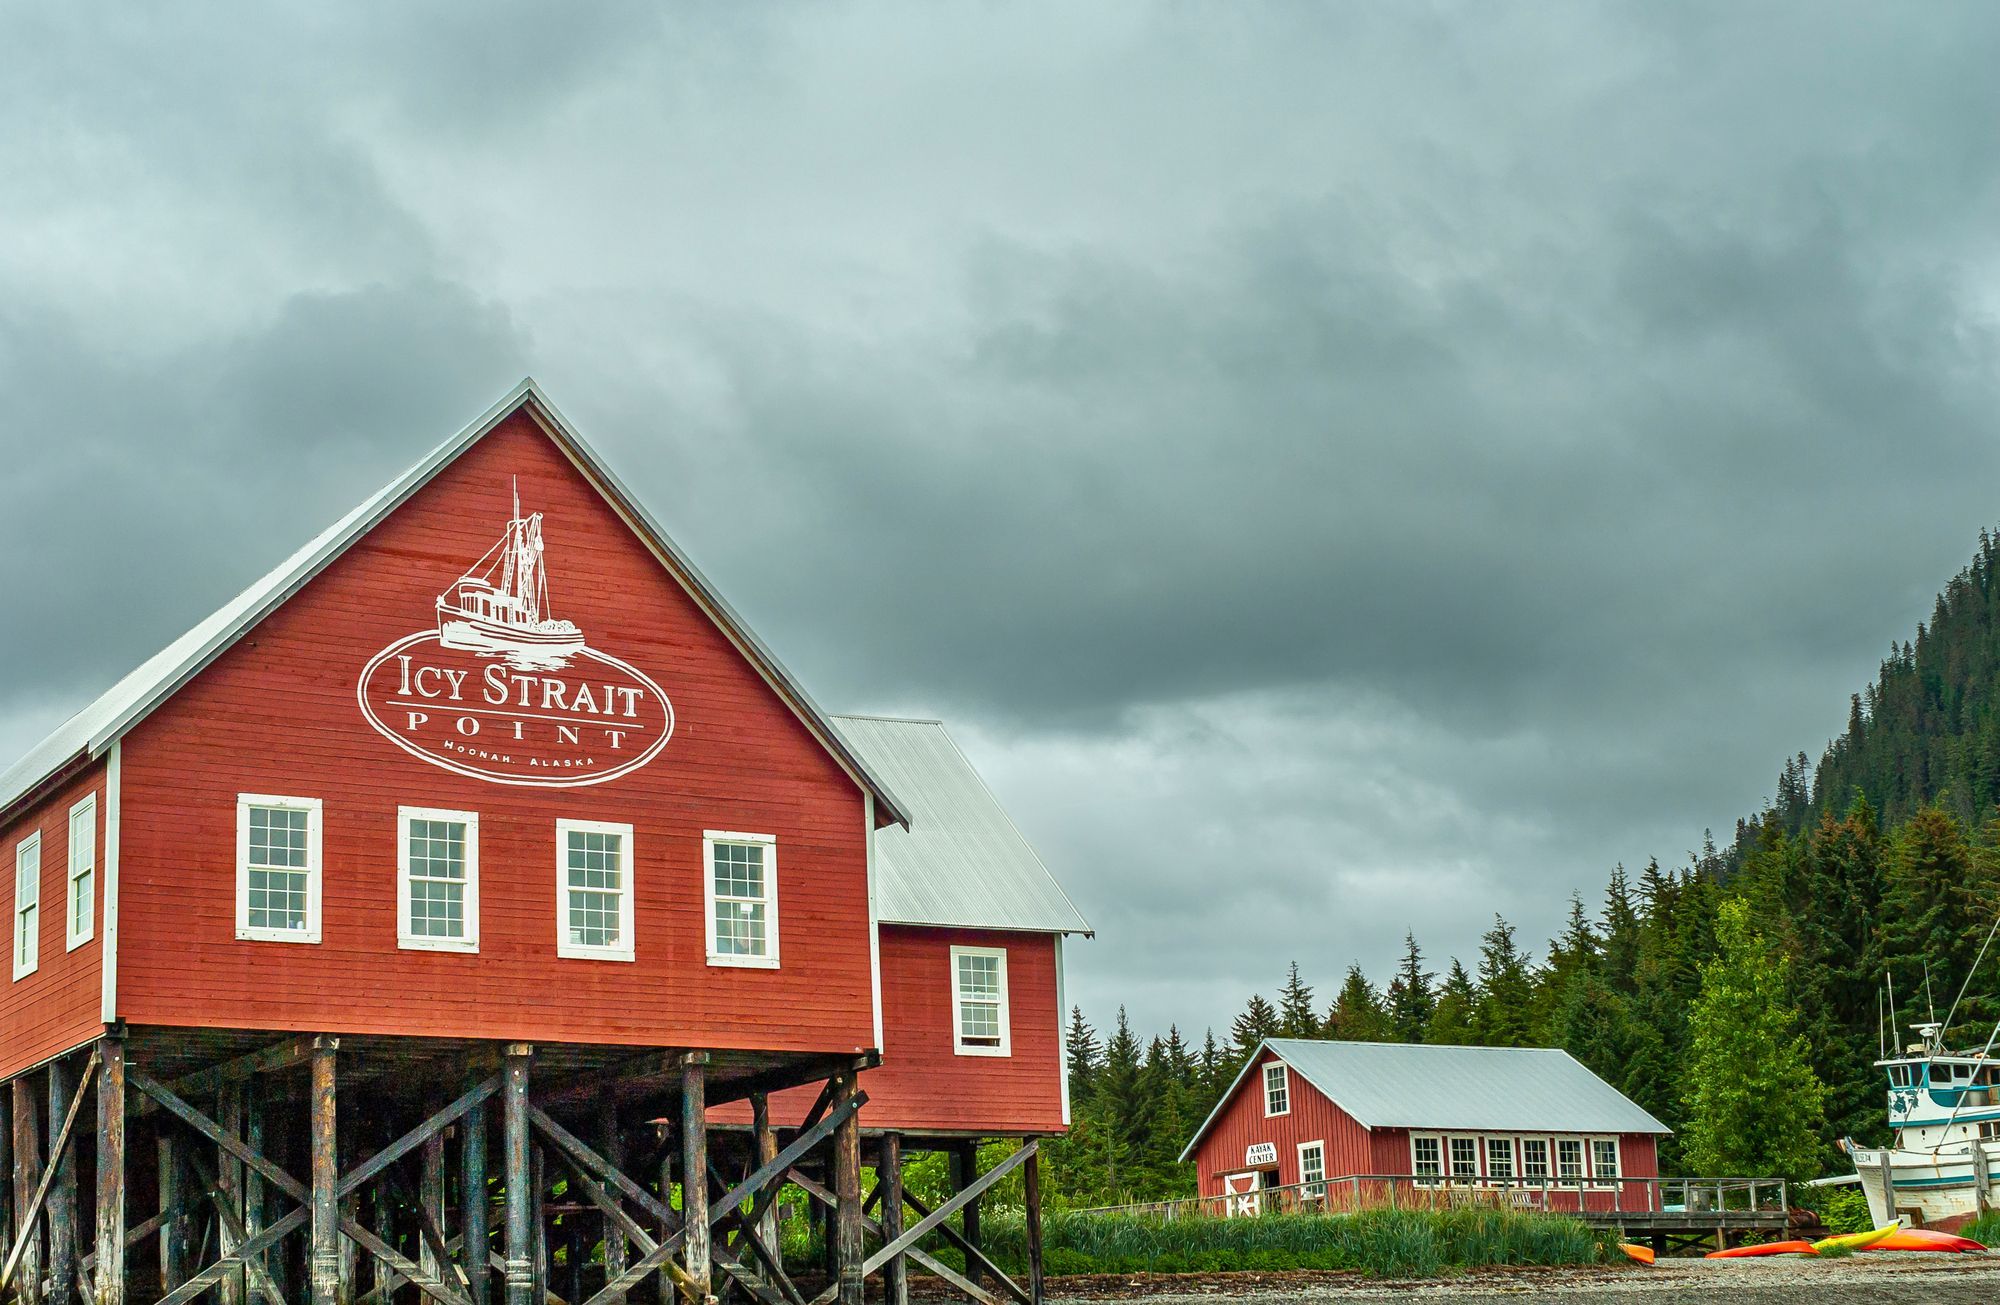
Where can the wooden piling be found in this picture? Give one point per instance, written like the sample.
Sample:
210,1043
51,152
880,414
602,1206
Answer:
6,1190
254,1195
767,1151
27,1177
175,1198
61,1210
325,1253
111,1172
1031,1212
613,1150
847,1193
472,1199
694,1168
430,1194
965,1168
229,1189
520,1266
896,1273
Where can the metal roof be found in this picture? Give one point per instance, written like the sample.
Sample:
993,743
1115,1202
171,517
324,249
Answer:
88,733
1410,1085
961,861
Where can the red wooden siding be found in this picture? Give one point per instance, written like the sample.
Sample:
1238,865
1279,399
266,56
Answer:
277,714
1353,1149
60,1005
1312,1118
923,1085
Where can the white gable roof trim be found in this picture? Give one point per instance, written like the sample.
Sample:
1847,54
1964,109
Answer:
1450,1088
961,862
86,735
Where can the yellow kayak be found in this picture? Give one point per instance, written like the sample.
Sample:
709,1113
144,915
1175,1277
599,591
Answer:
1858,1241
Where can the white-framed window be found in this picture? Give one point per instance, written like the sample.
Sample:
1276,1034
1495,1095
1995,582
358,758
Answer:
1500,1158
1535,1158
742,889
27,905
1426,1157
1312,1168
1603,1158
594,890
1569,1159
277,868
80,915
1464,1158
437,879
980,1025
1277,1089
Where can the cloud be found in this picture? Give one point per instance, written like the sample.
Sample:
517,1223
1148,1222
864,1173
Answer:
1338,469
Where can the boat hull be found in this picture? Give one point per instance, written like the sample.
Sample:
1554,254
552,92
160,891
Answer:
1929,1189
459,629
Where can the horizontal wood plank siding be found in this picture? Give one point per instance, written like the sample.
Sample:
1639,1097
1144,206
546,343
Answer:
277,714
1313,1118
923,1084
60,1005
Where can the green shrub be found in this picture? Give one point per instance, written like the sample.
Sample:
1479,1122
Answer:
1985,1229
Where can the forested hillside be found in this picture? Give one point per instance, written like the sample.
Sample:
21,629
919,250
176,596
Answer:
1757,967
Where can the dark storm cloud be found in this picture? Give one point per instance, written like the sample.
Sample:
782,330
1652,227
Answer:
1339,468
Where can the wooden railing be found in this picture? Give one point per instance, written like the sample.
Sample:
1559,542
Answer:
1702,1200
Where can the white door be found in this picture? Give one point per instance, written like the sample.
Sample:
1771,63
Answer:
1239,1193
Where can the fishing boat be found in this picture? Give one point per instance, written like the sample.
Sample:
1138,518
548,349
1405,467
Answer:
500,604
1943,1165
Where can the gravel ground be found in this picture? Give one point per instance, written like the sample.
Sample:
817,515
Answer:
1909,1280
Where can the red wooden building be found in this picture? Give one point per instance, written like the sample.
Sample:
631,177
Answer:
1530,1122
483,822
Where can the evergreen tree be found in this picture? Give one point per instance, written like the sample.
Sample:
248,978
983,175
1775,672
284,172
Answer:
1085,1055
1122,1110
1621,932
1296,1018
1257,1022
1451,1018
1412,1000
1500,1014
1358,1014
1754,1105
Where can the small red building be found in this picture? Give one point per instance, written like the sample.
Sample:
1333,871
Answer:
488,786
1524,1123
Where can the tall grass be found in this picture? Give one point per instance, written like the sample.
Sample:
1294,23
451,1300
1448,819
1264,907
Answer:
1382,1242
1984,1230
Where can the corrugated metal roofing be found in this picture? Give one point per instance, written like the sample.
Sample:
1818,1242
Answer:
90,731
961,861
1505,1089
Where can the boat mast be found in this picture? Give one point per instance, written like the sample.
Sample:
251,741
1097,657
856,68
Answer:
1894,1031
1967,982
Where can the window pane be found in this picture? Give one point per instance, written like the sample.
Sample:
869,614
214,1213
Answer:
979,976
979,1023
739,928
739,870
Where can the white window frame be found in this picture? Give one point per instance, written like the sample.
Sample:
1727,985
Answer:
26,946
406,940
1590,1145
1451,1159
625,949
769,842
958,1044
83,815
1512,1158
1309,1185
1284,1084
1582,1174
1443,1164
1548,1159
311,806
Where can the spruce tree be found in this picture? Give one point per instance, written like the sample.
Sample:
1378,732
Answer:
1085,1057
1257,1022
1412,1000
1500,1014
1296,1018
1358,1014
1451,1018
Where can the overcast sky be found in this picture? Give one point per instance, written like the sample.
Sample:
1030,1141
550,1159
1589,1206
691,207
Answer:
1336,468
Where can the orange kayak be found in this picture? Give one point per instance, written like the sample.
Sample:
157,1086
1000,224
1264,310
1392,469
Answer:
1768,1248
1642,1254
1925,1239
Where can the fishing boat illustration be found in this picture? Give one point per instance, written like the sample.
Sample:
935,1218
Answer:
500,605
